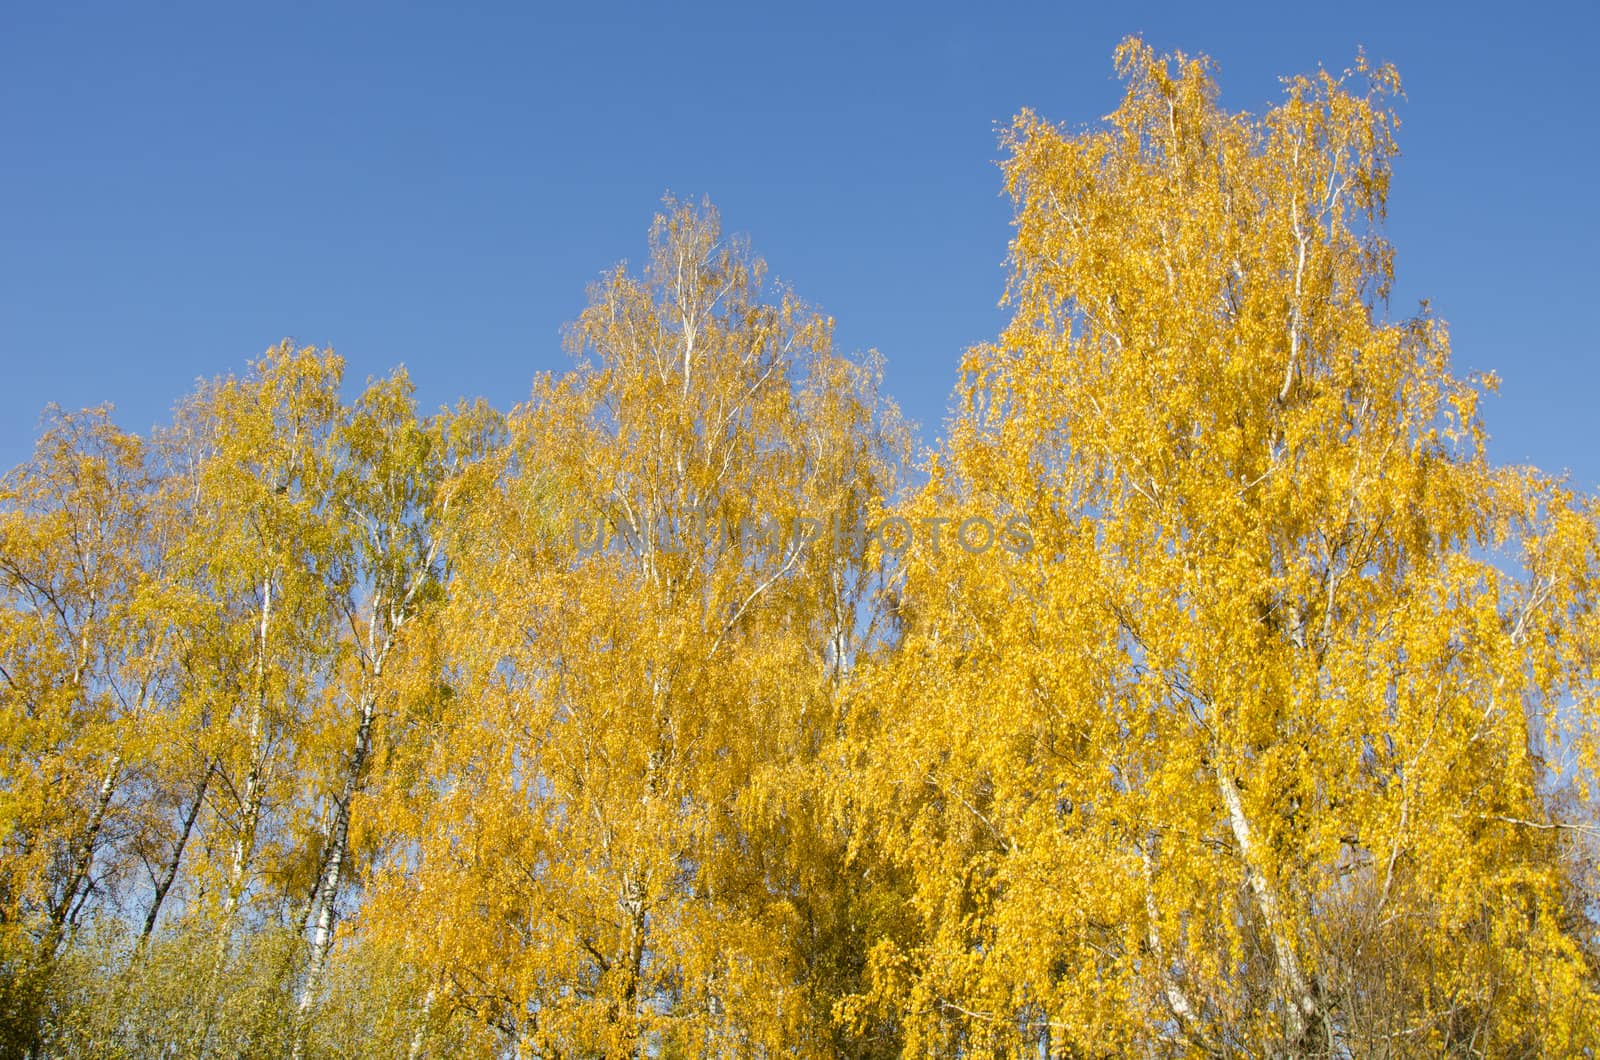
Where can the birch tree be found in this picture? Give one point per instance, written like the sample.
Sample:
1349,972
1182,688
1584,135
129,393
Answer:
398,479
263,546
597,868
1252,752
85,656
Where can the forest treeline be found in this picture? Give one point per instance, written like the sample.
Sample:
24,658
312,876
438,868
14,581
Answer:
325,731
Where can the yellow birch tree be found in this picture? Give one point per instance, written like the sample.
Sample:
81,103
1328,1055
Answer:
643,626
1251,753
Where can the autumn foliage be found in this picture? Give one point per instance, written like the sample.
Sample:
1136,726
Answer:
677,712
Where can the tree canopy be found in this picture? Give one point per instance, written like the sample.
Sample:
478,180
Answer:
1206,691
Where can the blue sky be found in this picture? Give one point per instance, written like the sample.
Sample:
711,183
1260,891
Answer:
183,186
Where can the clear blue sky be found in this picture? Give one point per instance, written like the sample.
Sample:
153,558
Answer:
184,184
